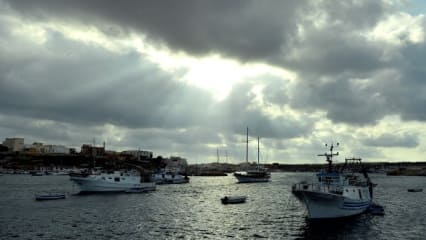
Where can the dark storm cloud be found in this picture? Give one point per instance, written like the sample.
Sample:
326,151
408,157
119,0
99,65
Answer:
330,45
93,86
244,29
343,100
406,92
241,110
393,140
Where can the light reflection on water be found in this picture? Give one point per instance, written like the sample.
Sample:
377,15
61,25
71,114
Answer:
194,211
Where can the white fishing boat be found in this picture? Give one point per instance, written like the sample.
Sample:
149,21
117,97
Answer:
113,181
169,177
258,174
336,192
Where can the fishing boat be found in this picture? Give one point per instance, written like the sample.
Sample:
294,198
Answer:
169,177
110,181
49,196
259,174
336,193
233,199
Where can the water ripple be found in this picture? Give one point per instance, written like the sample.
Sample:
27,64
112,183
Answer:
194,211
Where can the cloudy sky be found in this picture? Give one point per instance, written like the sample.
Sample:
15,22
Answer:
187,77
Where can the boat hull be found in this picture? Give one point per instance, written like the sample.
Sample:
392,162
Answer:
328,206
169,179
244,179
96,185
233,199
49,197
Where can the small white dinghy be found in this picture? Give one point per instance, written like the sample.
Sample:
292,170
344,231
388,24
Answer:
233,199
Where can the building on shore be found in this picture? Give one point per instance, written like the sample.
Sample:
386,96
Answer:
90,150
14,144
55,149
175,163
138,154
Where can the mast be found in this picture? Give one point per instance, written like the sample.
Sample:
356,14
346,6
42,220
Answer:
94,152
329,156
247,146
258,151
217,153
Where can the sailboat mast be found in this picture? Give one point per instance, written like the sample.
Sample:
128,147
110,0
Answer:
94,153
247,146
217,153
258,151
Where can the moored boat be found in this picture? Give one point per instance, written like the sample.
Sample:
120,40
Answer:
50,196
233,199
415,190
110,181
258,174
253,176
336,193
169,177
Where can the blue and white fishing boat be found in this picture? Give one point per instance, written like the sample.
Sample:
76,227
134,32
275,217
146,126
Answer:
337,192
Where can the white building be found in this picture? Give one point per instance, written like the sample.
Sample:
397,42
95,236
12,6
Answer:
33,148
139,153
55,149
14,144
176,163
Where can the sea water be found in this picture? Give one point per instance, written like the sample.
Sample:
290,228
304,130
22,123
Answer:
194,211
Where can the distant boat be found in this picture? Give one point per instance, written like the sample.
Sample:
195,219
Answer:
336,193
169,177
259,174
49,196
415,190
233,199
113,181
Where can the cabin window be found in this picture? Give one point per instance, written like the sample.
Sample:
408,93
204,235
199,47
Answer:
117,179
103,178
347,190
360,196
122,178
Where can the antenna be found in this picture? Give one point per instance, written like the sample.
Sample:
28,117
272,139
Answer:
329,156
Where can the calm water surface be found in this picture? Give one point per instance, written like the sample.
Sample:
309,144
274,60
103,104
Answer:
194,211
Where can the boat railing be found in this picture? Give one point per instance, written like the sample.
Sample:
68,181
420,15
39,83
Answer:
315,187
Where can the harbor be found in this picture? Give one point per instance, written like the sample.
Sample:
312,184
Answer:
194,210
213,120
